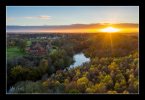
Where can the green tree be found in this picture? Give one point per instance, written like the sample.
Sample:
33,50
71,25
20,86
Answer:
43,66
22,45
59,58
28,87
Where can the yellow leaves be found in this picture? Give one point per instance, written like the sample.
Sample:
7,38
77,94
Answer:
91,69
82,81
107,80
82,84
100,88
18,70
57,82
117,86
90,90
131,78
135,54
119,77
49,83
97,88
111,92
136,61
78,72
45,83
125,92
113,66
136,83
66,81
85,74
123,82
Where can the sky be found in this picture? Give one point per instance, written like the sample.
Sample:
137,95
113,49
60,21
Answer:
68,15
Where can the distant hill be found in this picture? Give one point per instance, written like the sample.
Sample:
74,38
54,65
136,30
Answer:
67,28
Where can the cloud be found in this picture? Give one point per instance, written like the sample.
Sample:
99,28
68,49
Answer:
37,17
44,17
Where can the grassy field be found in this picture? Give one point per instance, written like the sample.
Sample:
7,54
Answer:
29,43
13,52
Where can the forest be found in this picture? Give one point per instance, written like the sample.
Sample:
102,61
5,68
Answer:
39,63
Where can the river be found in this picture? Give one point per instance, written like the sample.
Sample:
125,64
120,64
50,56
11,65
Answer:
79,59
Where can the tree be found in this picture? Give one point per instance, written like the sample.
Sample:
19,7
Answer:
43,66
59,59
107,80
77,73
111,92
90,90
100,88
51,69
113,66
123,84
71,86
66,81
82,83
28,87
125,92
22,45
133,86
19,73
117,87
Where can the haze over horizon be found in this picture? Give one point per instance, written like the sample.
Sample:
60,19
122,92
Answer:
75,28
71,18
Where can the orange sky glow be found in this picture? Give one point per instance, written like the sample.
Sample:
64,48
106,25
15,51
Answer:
95,30
78,28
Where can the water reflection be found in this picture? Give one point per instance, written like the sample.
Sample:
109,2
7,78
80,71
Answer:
79,60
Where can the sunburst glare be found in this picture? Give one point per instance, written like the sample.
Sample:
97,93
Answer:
110,29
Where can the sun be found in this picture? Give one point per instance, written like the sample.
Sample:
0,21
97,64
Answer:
110,29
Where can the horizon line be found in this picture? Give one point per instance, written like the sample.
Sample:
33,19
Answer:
76,24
